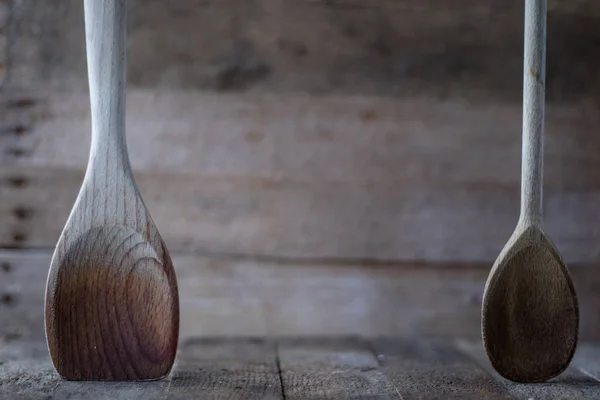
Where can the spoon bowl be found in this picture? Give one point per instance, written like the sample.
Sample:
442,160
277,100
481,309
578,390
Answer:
105,287
530,310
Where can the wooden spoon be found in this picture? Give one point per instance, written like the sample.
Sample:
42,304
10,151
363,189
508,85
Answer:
530,314
112,307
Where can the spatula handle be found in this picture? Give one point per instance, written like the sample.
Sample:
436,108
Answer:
534,79
105,32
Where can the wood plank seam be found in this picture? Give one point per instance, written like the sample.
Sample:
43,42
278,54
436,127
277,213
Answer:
279,372
379,357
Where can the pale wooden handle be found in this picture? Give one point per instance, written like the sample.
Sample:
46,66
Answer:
105,29
534,77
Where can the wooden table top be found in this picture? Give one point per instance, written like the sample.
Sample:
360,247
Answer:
348,367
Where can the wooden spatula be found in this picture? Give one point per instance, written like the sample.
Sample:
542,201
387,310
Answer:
530,315
112,307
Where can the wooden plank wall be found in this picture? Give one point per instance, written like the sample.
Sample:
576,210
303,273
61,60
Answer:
315,133
260,297
397,137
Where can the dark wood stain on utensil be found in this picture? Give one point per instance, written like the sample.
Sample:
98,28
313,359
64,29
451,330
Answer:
106,320
534,325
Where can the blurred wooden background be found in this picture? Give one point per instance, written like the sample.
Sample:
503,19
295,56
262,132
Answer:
326,167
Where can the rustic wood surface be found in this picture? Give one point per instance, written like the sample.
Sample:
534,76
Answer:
311,177
210,368
393,48
334,367
285,144
424,369
254,296
5,12
574,383
306,168
267,296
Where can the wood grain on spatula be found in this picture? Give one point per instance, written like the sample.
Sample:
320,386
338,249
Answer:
530,314
112,307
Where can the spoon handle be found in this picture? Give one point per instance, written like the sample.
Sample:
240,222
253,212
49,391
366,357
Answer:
105,30
534,77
